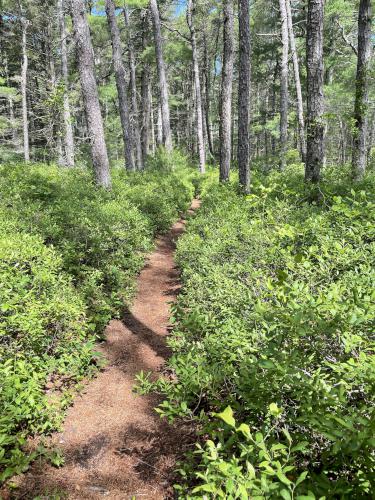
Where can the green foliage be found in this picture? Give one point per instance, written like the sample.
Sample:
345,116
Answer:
101,235
69,253
276,321
264,468
43,334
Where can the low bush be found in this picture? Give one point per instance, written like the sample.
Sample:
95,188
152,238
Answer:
69,254
42,333
273,343
102,236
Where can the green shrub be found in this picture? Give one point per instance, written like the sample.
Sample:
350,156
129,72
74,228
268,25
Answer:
277,312
69,254
102,236
42,334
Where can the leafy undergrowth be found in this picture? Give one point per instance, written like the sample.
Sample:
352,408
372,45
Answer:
69,254
273,343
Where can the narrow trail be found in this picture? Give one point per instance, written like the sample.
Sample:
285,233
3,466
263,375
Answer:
115,445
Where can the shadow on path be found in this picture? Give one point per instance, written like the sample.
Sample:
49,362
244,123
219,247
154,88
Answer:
114,443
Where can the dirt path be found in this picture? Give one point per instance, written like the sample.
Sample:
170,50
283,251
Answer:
115,445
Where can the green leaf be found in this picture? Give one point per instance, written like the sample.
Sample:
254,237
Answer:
274,410
286,434
285,494
245,429
283,478
227,416
209,488
301,477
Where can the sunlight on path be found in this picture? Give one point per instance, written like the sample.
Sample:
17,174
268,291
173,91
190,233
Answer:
115,445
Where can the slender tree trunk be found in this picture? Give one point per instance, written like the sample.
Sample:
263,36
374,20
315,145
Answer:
146,111
153,141
159,127
68,138
146,97
371,135
297,81
273,106
15,140
315,98
226,92
25,120
244,96
207,83
197,86
284,93
134,100
54,137
120,84
163,85
85,56
361,90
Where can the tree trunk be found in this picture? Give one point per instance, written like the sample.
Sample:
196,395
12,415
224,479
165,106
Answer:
284,94
371,135
273,105
120,84
163,85
153,141
207,85
134,100
315,98
361,90
244,95
197,86
159,128
146,98
301,120
25,121
226,92
146,112
68,138
85,56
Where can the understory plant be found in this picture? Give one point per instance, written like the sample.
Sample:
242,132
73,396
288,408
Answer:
69,255
275,328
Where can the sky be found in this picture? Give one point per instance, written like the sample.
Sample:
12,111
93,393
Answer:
180,7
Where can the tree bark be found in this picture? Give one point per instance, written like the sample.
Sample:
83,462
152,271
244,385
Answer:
153,141
361,90
120,84
197,86
159,128
146,111
226,92
68,138
207,86
25,120
85,56
315,98
163,85
146,97
284,92
244,96
134,100
273,105
297,81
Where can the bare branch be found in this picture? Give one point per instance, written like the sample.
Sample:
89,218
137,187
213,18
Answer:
174,30
345,37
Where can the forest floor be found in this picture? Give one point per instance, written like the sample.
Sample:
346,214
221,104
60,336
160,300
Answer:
114,443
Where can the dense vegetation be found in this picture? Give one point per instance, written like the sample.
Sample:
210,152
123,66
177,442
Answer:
273,346
273,341
68,257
